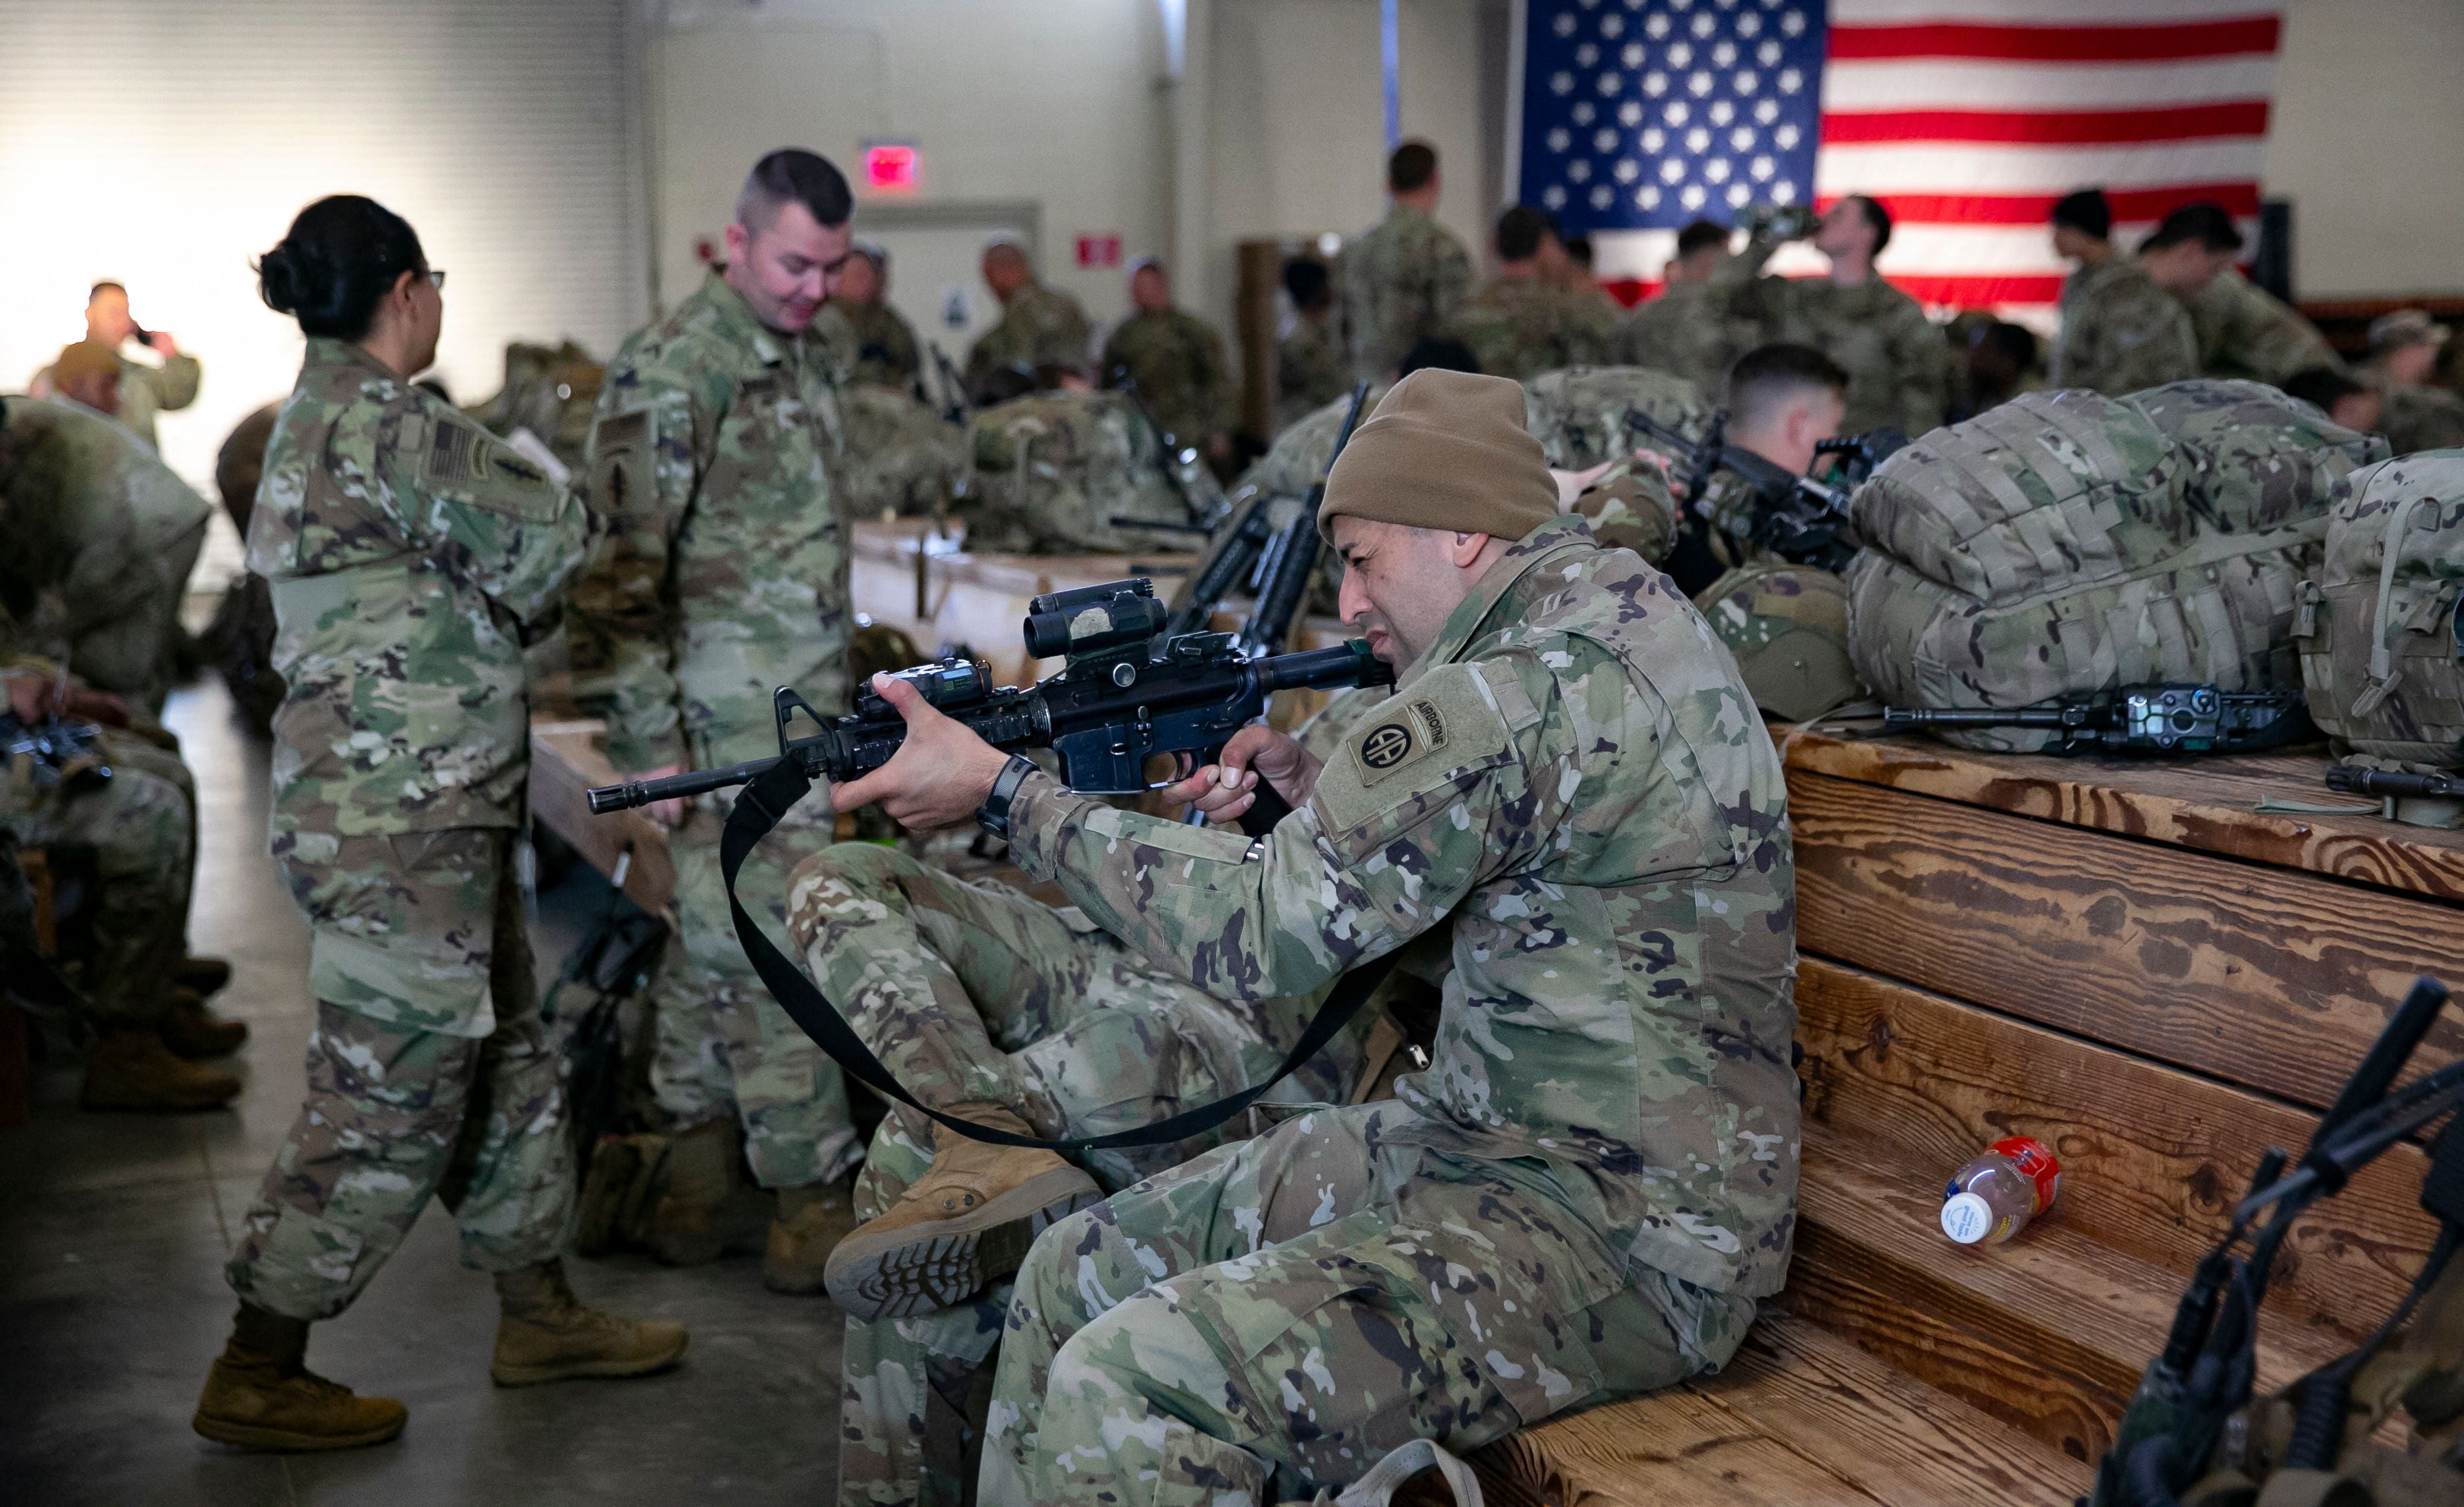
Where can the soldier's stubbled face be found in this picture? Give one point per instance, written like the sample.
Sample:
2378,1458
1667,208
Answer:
784,269
1401,583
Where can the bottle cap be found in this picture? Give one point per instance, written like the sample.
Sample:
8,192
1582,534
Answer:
1967,1218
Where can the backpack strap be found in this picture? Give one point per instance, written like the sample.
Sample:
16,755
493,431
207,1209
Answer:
2383,630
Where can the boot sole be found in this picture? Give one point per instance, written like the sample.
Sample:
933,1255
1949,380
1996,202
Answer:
504,1375
285,1441
927,1267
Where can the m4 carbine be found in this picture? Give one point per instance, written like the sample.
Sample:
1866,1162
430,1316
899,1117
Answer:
1127,694
2141,719
55,749
1800,518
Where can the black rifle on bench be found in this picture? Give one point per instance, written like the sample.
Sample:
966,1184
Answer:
1277,565
2141,719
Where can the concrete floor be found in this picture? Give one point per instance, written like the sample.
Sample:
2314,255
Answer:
113,1231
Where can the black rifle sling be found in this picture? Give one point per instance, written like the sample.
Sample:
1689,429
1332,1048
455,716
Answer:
757,809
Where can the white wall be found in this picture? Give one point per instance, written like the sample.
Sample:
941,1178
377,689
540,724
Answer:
2368,128
166,144
1052,101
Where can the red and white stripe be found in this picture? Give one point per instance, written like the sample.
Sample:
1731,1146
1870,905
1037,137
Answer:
1968,118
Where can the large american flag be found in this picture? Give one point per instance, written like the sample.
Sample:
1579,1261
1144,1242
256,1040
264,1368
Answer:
1966,117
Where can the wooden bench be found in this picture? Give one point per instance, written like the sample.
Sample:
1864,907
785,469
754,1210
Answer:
2123,960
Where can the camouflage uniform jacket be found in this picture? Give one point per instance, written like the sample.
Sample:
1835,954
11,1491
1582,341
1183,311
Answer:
1311,371
1574,784
1898,363
725,573
1040,326
1400,281
148,391
2421,417
92,517
874,346
407,549
1177,360
2245,331
1520,327
1683,333
2121,332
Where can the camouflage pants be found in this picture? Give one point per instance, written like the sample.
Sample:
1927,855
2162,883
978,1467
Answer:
724,1046
141,825
1278,1315
428,1072
971,991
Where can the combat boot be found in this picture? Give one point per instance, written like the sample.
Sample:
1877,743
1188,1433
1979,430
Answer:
811,1223
688,1228
967,1221
204,975
195,1032
260,1395
545,1334
134,1071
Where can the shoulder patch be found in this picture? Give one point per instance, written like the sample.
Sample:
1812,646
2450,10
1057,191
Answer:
466,461
619,463
1418,739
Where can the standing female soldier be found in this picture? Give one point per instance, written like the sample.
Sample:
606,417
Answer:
407,549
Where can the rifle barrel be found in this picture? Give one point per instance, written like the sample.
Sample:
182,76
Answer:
1974,717
607,798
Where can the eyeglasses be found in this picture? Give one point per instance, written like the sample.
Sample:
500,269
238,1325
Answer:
437,279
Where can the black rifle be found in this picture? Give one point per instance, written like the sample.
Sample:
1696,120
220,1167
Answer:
2142,720
54,747
1800,518
2362,780
1169,457
955,406
1276,567
1126,694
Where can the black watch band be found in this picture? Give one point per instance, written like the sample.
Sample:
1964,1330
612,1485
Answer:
993,816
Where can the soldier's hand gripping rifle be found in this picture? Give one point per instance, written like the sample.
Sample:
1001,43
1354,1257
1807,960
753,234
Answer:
1800,518
1275,565
1128,692
2141,719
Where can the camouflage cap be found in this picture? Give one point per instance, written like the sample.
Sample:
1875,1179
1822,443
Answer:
2393,332
1446,449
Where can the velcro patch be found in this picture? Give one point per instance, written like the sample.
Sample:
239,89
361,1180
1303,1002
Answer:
1416,740
619,463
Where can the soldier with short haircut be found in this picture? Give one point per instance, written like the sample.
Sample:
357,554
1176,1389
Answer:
1680,331
412,553
1524,323
2121,332
725,575
2242,330
1403,279
1038,327
1899,373
1177,361
1569,786
2404,353
874,339
142,390
1311,369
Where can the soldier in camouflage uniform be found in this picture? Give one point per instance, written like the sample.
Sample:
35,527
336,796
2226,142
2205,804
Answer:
1405,279
1177,360
2242,331
877,345
1522,324
2404,352
1053,470
409,552
1682,332
1278,1315
2120,331
144,391
100,525
725,575
1898,369
1038,327
1311,368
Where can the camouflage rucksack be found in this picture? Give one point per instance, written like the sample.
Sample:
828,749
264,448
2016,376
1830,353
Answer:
2063,543
1578,414
1787,626
1053,470
1628,507
2381,624
902,458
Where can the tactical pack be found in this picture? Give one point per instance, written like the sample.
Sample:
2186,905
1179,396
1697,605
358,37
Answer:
1052,471
1787,626
2066,543
902,458
2380,625
1578,414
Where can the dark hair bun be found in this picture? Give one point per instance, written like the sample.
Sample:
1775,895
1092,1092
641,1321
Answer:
342,255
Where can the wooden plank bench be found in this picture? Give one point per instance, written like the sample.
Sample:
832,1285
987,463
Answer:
2123,960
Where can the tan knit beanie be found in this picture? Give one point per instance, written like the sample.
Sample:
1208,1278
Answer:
1446,449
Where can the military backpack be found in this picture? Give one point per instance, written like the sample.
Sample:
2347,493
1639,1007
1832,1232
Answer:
2381,623
1052,471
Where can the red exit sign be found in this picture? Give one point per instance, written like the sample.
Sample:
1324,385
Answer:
1099,250
892,166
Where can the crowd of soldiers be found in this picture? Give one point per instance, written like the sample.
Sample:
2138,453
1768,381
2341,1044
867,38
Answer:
1564,826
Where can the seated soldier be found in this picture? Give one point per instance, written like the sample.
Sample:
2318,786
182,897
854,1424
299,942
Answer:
1594,1186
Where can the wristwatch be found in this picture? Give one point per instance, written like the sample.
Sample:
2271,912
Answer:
993,816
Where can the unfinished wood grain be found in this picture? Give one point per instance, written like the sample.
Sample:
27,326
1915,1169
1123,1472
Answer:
2152,1158
2048,1331
2200,804
565,762
2268,977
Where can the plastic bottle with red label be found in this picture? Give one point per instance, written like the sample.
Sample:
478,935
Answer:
1994,1197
